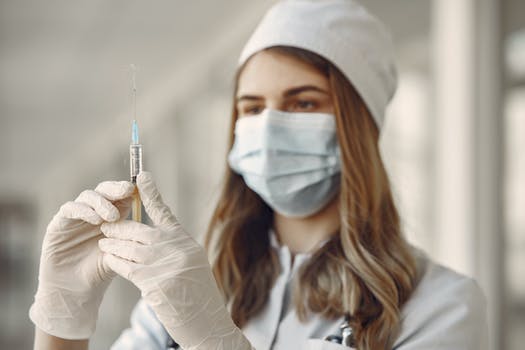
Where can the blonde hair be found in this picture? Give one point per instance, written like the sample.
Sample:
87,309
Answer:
366,271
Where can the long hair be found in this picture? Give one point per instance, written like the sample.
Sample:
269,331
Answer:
365,271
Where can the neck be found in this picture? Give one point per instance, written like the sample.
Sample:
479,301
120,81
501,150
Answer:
302,235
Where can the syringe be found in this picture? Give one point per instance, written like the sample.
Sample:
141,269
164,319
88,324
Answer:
135,150
135,167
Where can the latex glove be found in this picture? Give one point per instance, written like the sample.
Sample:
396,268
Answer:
173,274
72,280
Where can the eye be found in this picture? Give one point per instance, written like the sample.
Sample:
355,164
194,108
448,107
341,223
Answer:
304,105
251,110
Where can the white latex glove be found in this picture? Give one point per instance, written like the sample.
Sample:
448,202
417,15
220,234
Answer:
173,274
72,279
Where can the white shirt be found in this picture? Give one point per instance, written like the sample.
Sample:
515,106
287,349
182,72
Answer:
445,312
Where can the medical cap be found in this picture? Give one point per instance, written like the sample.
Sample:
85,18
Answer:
343,32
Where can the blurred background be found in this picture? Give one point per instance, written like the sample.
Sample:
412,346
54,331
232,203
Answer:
454,141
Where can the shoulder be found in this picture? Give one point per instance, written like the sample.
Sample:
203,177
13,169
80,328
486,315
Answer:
438,281
447,310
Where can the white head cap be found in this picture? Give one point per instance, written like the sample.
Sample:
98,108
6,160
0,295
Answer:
341,31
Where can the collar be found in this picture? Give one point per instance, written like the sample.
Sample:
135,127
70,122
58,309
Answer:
285,255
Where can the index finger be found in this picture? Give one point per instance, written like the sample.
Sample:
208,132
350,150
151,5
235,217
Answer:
131,231
115,190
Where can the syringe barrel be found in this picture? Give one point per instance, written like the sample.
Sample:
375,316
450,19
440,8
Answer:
135,161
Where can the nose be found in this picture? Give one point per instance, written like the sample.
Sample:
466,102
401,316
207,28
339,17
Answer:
274,103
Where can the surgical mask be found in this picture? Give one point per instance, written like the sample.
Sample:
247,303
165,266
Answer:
291,160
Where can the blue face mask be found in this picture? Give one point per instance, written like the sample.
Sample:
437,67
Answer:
291,160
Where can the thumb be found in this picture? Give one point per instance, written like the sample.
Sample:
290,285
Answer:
159,213
105,271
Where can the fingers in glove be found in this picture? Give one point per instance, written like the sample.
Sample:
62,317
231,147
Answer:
121,266
124,206
115,190
118,192
103,207
132,231
159,213
128,250
79,211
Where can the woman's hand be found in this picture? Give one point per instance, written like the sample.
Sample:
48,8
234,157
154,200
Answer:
72,278
173,274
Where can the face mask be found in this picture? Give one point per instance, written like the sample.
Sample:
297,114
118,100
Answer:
291,160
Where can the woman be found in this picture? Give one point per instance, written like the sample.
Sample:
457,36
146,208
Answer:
305,237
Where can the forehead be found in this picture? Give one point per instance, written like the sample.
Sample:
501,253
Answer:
270,72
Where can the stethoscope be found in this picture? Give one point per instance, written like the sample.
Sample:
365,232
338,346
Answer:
344,337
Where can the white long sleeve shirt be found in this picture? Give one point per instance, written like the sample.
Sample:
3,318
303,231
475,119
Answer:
445,312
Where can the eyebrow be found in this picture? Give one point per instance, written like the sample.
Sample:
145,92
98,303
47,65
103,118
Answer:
299,89
288,93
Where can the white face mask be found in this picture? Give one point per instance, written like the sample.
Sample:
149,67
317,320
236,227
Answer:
291,160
